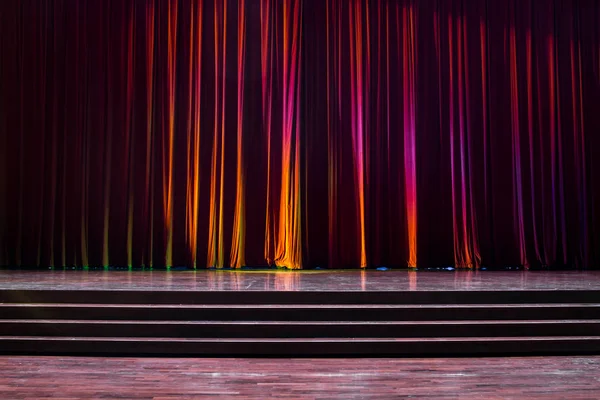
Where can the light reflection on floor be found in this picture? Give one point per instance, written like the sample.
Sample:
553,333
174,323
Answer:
285,280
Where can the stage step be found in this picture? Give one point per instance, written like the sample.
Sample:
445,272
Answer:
300,312
282,323
303,329
340,347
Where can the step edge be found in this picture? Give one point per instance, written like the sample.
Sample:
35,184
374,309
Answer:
299,323
301,340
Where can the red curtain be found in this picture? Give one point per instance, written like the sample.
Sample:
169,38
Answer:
300,133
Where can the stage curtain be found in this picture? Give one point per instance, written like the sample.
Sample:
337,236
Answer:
300,133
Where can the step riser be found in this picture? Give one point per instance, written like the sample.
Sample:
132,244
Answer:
82,329
252,338
248,297
98,347
295,314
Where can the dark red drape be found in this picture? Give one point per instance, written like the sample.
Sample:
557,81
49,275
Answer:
300,133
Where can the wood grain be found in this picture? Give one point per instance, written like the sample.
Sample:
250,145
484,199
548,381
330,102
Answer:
170,378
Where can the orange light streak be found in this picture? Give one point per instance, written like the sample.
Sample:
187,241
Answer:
168,168
239,229
410,162
193,149
148,206
215,240
288,249
357,114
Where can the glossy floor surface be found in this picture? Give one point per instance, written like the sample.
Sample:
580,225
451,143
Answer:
281,280
170,378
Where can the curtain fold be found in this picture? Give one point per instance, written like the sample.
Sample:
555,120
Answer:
300,133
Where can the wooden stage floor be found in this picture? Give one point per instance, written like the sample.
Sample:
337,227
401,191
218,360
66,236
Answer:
284,280
171,378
